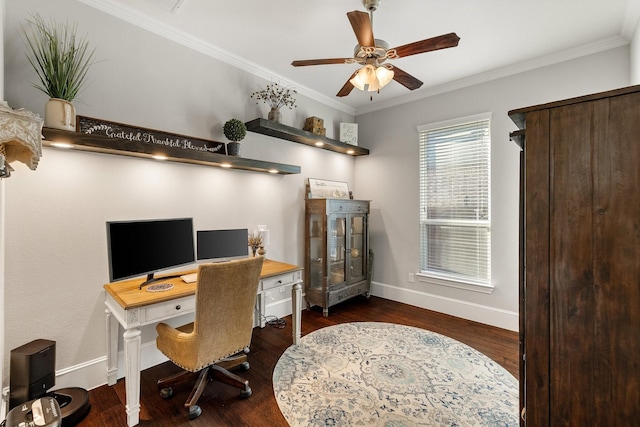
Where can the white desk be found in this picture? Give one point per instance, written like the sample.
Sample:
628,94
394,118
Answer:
132,308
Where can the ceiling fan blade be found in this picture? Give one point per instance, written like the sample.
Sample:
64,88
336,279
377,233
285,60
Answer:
405,79
305,62
362,27
347,88
435,43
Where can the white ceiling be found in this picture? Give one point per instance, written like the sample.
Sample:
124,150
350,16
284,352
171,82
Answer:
497,37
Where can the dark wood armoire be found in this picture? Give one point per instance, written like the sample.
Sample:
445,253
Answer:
580,260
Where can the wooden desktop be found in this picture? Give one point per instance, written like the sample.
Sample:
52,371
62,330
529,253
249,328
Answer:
131,307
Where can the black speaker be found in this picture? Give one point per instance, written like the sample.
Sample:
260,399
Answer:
32,371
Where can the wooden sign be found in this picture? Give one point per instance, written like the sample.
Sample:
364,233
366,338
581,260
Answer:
323,189
138,135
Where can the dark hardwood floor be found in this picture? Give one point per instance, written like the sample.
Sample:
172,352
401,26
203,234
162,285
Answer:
221,405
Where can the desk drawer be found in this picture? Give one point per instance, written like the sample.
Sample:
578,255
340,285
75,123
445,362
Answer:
277,281
168,309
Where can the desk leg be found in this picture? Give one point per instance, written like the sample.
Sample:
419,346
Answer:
262,308
112,347
296,309
132,374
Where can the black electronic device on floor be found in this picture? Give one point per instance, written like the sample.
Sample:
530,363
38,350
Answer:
32,371
32,374
41,412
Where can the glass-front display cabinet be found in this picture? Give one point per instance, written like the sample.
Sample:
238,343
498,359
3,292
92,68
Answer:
336,251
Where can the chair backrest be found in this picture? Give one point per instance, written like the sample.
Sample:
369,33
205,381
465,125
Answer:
225,302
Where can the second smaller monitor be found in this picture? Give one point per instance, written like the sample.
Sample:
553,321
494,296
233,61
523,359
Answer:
222,245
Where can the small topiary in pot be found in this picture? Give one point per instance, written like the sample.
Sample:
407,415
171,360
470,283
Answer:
235,131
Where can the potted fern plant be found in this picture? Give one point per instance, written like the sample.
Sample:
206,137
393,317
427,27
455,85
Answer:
235,131
61,61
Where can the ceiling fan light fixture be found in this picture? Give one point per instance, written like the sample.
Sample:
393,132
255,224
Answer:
371,78
357,82
364,76
374,86
384,76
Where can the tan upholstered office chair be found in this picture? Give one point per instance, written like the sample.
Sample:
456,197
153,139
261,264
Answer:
223,324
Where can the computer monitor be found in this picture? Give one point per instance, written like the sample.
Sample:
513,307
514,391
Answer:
142,247
222,245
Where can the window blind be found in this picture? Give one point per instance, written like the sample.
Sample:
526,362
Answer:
455,224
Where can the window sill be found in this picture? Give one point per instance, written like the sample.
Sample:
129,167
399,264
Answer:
468,286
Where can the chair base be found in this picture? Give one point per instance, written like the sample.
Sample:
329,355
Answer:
217,372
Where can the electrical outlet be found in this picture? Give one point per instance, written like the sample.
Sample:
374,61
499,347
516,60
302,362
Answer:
412,278
281,289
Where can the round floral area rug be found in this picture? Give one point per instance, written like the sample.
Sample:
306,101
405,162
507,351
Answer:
382,374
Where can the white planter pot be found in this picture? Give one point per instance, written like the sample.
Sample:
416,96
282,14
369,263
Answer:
60,114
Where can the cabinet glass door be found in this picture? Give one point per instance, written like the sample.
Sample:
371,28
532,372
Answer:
357,255
317,251
337,247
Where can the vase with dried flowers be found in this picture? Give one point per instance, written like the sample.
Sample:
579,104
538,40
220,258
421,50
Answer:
255,241
276,97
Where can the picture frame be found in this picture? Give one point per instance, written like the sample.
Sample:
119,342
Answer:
349,133
324,189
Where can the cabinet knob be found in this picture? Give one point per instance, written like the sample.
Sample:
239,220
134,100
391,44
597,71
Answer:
178,307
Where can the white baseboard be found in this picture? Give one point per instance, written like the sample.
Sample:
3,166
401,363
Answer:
464,309
87,375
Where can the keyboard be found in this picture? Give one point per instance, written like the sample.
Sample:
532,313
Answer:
189,278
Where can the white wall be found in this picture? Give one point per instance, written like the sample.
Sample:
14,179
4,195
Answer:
389,177
635,56
56,260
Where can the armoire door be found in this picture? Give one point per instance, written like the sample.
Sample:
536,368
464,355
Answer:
595,262
582,263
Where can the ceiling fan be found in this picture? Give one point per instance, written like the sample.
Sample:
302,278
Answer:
372,54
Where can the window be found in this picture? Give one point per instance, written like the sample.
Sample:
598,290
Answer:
455,221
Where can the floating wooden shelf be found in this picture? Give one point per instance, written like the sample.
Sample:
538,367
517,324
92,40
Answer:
278,130
103,144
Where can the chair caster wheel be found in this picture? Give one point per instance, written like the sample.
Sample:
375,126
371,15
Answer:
246,393
244,366
194,412
166,393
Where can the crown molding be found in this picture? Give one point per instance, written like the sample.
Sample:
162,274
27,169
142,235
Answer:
517,68
161,29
